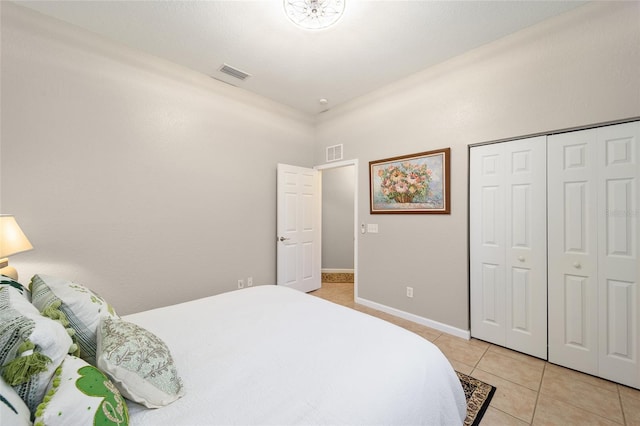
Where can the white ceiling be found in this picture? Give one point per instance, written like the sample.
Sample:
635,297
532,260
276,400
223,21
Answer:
374,44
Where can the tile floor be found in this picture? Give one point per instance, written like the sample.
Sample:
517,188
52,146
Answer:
529,391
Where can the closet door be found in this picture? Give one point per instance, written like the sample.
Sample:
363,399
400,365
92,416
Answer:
573,250
618,263
526,259
593,251
487,212
508,245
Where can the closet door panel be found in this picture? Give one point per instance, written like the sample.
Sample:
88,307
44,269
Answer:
508,244
573,250
526,260
576,302
618,265
487,240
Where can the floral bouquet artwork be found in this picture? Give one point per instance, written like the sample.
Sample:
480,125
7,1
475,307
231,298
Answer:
417,183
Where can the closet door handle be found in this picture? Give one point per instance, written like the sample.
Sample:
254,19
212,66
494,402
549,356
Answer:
521,258
577,265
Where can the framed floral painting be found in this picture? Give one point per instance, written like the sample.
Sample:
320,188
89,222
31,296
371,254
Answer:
417,183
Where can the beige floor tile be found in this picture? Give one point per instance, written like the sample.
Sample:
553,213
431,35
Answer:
478,343
516,355
512,369
365,309
466,351
461,367
560,386
428,333
495,417
630,399
581,377
510,398
551,411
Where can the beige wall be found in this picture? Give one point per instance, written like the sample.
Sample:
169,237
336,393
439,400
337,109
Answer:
149,183
577,69
153,184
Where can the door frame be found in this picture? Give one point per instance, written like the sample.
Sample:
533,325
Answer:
336,165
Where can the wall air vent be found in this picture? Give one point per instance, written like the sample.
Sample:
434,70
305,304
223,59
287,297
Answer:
334,153
234,72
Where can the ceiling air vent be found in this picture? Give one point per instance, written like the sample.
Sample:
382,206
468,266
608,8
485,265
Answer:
334,153
234,72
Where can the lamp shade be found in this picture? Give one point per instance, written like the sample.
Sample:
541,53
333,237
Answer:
12,239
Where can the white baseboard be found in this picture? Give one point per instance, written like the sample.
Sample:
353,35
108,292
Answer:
464,334
336,271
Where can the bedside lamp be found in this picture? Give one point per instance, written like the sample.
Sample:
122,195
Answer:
12,241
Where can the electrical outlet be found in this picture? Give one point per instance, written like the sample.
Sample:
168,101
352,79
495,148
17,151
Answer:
409,291
249,281
240,283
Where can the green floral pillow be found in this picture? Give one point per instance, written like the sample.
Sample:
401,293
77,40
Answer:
31,346
80,394
138,362
75,306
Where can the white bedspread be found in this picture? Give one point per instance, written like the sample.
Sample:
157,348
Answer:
269,355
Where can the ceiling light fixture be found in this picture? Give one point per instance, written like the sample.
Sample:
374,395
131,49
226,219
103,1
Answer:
314,14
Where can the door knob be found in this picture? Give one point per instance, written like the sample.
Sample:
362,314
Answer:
283,239
521,258
577,265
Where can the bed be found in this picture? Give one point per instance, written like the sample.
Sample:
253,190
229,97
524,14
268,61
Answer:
265,355
270,355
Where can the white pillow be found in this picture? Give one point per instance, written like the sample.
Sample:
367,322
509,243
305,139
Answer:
13,410
138,362
8,281
80,394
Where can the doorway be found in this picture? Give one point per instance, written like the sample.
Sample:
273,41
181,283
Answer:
340,218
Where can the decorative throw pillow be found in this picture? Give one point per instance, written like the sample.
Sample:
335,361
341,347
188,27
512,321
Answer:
80,394
31,346
138,362
13,410
75,306
5,280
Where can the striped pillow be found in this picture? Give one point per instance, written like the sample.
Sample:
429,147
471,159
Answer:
31,346
75,306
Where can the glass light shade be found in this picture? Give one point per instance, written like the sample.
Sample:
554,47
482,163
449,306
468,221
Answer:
314,14
12,239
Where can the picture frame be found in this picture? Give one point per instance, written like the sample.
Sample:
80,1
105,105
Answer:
410,184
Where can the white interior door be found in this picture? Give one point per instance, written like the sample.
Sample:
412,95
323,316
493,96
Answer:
526,245
618,263
487,242
573,250
299,221
508,245
593,251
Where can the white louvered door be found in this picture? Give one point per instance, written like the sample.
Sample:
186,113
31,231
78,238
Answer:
508,245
